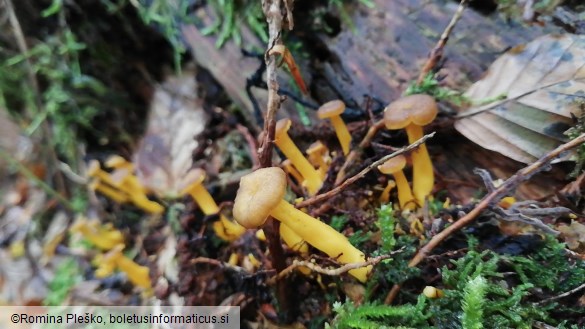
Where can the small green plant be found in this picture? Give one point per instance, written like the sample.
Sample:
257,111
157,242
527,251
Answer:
66,276
377,315
431,86
473,303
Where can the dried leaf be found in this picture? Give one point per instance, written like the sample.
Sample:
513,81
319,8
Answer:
176,118
544,85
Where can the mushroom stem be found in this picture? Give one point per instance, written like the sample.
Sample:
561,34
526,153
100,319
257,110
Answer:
293,240
321,236
141,201
385,196
312,177
423,177
405,197
108,191
341,132
205,201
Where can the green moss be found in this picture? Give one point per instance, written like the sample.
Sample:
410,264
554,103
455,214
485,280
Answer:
482,289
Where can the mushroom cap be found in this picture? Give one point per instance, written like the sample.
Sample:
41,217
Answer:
282,127
316,148
393,165
417,109
258,194
194,177
330,109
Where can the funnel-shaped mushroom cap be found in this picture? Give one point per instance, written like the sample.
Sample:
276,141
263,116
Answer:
330,109
393,165
258,194
282,127
416,109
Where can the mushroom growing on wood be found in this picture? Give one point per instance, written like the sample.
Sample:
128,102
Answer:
394,167
312,178
412,113
261,195
332,110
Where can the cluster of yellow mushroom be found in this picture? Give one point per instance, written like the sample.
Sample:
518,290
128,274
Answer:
110,240
411,113
121,185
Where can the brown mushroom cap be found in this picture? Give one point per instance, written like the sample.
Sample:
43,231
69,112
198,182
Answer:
258,194
330,109
393,165
194,176
282,127
417,109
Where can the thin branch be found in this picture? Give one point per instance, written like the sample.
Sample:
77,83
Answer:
437,52
31,176
356,177
355,153
330,271
273,10
570,292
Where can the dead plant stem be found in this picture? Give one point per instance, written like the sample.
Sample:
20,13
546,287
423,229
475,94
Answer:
437,52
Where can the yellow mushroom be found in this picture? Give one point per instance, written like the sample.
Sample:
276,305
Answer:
193,186
293,240
104,237
261,195
123,172
318,156
110,192
412,113
95,171
288,167
385,195
332,110
311,177
433,293
394,167
137,274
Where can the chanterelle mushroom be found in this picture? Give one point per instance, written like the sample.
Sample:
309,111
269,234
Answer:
261,195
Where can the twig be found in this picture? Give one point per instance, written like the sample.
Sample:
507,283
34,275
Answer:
570,292
355,153
273,10
251,143
353,179
330,271
31,176
496,195
437,52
